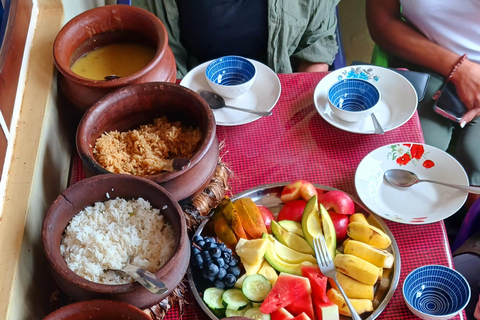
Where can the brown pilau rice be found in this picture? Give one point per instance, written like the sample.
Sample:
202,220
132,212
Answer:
146,151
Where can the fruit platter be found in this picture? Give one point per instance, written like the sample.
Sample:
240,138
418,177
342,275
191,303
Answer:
254,256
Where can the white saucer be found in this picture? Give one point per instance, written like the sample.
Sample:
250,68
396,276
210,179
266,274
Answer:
397,105
421,203
262,96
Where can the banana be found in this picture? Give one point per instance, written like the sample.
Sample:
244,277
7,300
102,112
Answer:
360,305
353,288
368,234
358,217
357,268
379,257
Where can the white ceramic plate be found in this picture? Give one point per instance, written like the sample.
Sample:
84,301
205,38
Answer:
421,203
262,96
397,105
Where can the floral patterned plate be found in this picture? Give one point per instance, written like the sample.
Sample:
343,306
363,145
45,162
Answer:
421,203
397,105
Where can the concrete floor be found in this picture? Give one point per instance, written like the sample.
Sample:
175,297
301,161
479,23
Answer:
356,40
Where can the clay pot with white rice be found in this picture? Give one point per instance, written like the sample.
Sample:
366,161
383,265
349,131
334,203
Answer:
74,264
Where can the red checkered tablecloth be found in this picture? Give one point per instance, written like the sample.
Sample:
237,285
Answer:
296,143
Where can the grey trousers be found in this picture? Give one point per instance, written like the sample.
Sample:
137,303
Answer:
461,143
468,265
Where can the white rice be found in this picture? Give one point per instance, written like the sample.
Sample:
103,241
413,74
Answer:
105,235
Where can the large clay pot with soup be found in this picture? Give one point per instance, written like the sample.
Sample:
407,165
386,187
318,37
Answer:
100,189
104,26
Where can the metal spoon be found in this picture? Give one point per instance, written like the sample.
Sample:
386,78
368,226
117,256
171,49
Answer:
405,178
216,102
177,164
145,278
377,125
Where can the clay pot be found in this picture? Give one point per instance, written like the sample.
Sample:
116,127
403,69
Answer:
101,188
139,104
98,310
102,26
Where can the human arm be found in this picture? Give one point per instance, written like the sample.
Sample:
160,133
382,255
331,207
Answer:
400,38
306,66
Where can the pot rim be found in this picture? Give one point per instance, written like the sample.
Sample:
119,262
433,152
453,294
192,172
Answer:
63,63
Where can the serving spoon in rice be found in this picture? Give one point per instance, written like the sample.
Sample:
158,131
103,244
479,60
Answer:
145,278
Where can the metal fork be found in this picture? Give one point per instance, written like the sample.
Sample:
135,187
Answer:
328,269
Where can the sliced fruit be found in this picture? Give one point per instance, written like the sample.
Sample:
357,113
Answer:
290,239
268,272
311,223
338,201
292,226
368,234
302,316
255,313
358,217
285,291
281,266
267,216
213,298
379,257
251,217
252,251
292,210
298,189
239,282
228,210
360,305
222,230
353,288
252,268
318,282
301,305
234,299
286,253
357,268
326,310
328,231
281,314
256,287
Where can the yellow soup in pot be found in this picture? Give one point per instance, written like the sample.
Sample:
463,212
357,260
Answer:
120,59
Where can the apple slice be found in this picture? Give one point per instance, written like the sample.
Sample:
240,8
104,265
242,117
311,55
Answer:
338,201
300,189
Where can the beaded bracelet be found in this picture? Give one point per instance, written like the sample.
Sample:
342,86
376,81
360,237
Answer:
450,75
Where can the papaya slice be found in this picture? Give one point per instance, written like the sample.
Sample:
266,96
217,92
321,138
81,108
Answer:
223,231
233,219
258,225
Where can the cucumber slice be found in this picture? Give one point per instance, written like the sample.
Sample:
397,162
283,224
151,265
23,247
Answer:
256,287
213,298
236,313
234,299
255,313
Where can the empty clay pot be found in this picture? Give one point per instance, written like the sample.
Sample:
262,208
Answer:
99,189
138,104
102,26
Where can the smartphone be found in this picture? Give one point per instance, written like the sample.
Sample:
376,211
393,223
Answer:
449,105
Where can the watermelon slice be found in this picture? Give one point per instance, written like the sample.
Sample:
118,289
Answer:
281,314
318,283
326,310
302,316
302,305
286,290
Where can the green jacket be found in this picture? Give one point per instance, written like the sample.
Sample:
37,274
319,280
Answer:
303,29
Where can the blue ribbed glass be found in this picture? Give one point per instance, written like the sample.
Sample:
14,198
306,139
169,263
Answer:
436,290
353,95
230,70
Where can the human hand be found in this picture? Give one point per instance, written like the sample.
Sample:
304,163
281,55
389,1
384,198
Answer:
467,82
